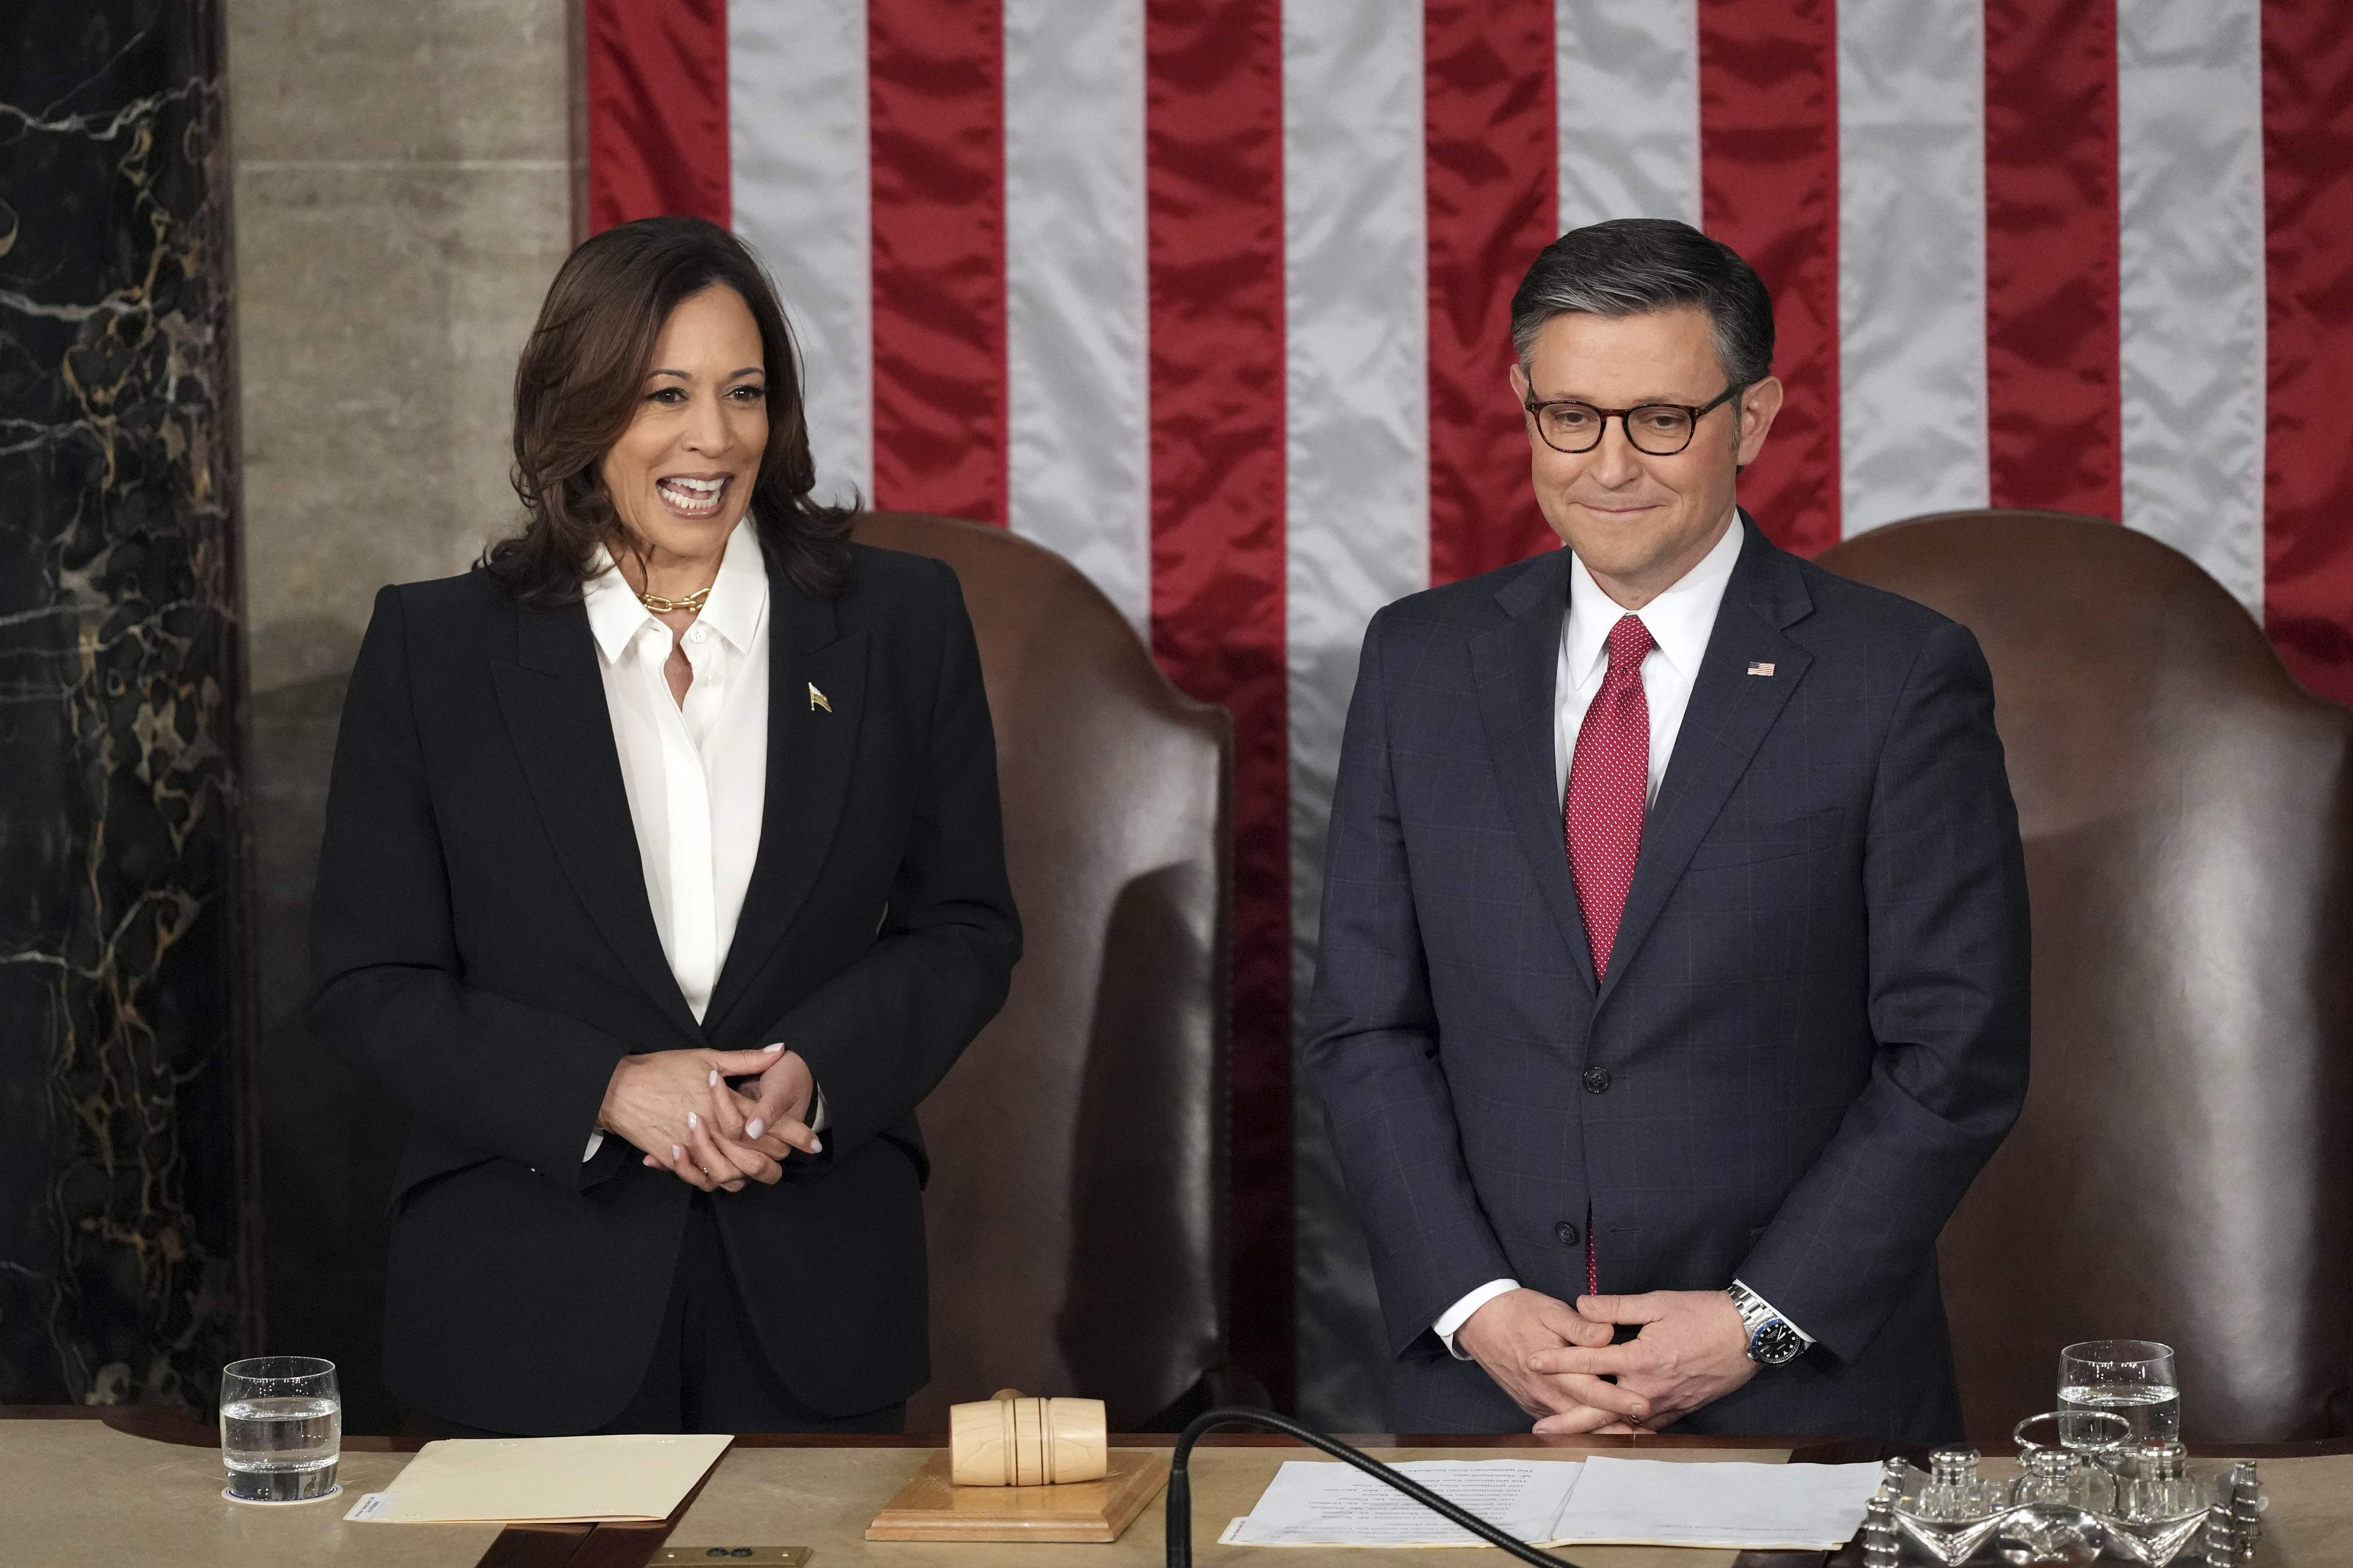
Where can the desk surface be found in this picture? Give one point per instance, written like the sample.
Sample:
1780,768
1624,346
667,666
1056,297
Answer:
75,1492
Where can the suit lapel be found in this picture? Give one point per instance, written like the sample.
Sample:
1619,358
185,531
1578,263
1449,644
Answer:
553,700
1726,720
810,753
1513,666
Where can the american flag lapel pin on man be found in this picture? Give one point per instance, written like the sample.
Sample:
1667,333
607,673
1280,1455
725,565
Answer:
1753,669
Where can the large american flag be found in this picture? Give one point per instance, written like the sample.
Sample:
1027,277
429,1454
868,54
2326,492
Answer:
1209,296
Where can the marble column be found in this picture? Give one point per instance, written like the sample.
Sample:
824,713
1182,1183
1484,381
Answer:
403,183
123,1262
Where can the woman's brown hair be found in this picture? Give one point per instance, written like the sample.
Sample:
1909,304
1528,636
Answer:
577,386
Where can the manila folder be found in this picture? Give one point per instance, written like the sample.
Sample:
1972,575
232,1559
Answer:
542,1480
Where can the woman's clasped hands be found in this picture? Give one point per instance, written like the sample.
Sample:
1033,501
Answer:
680,1109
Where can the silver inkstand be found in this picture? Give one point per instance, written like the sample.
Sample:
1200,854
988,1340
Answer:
2085,1492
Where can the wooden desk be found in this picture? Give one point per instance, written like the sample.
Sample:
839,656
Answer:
111,1489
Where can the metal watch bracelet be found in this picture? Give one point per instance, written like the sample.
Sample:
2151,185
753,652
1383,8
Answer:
1771,1341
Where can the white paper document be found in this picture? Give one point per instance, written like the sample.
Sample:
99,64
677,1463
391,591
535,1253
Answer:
1314,1503
485,1480
1653,1502
1556,1502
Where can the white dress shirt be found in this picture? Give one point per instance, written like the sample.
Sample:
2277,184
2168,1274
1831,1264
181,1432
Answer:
1680,622
697,774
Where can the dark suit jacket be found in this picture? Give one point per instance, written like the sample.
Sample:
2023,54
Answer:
1813,1032
484,953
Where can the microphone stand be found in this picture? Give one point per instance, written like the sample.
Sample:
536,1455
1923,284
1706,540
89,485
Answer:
1180,1485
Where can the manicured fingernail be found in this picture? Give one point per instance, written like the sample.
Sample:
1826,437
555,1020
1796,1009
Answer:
753,1126
816,1147
676,1153
691,1122
770,1050
714,1075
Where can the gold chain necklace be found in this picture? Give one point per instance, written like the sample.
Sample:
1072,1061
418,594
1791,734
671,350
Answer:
662,606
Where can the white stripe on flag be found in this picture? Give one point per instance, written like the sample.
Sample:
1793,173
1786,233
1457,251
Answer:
1357,520
1912,261
2190,249
1356,307
797,147
1627,84
1076,301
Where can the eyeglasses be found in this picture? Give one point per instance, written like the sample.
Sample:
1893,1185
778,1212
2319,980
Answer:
1659,429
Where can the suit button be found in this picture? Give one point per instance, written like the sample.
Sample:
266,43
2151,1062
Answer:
1565,1233
1597,1080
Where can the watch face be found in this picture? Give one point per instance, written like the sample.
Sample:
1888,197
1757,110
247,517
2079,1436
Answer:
1774,1343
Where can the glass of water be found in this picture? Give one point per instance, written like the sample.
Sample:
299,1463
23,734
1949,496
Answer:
281,1424
2131,1378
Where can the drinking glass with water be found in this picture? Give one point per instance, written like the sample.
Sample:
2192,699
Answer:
281,1423
2131,1378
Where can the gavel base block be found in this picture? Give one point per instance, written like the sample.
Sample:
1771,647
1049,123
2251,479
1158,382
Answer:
931,1507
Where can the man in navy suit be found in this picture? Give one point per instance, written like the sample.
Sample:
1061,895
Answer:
1673,984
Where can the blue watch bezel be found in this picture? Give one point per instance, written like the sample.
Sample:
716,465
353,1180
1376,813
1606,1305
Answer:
1787,1342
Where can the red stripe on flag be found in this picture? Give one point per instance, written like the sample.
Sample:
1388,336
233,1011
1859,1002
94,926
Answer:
2308,213
1768,182
657,109
2054,399
1490,144
1213,135
937,97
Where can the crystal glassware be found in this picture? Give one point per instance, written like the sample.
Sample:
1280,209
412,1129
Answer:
2060,1476
1954,1493
2159,1486
2131,1378
281,1424
1953,1509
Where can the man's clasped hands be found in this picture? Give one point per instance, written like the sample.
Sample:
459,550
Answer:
716,1120
1557,1361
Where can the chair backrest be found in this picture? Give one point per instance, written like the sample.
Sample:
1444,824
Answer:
2184,1168
1076,1211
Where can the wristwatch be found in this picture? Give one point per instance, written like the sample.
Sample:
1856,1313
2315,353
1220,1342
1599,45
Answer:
1771,1341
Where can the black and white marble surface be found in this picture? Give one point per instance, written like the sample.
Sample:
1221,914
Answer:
121,946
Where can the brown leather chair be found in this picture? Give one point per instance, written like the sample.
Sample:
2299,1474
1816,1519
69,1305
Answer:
1077,1203
2184,1168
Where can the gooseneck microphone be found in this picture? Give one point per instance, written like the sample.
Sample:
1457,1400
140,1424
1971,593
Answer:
1180,1486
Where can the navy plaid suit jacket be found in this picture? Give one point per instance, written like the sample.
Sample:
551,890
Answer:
1814,1025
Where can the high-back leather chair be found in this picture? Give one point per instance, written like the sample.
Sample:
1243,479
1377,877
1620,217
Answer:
1077,1201
2184,1168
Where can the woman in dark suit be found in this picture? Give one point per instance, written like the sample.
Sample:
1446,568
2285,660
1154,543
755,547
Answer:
662,878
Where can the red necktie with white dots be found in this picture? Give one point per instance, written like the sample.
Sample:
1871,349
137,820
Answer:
1608,781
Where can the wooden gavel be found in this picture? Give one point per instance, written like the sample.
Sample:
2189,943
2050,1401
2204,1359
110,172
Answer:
1009,1441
